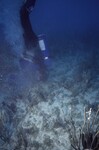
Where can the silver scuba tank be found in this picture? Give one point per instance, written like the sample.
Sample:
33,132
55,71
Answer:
43,46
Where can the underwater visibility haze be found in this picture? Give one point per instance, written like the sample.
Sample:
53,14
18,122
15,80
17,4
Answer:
49,99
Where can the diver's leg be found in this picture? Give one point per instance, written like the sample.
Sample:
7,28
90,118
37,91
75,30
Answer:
29,35
31,43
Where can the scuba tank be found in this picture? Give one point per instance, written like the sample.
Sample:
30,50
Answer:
43,47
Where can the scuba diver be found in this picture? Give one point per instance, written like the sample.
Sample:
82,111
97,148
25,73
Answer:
32,50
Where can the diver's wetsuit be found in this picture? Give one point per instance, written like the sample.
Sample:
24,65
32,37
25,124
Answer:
29,35
30,38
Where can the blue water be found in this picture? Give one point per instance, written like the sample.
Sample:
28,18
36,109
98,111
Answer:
72,38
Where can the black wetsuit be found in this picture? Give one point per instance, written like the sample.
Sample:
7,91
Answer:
30,3
30,38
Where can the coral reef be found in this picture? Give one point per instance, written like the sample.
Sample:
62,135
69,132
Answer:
39,115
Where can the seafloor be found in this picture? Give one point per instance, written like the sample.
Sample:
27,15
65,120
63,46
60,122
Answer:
37,115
